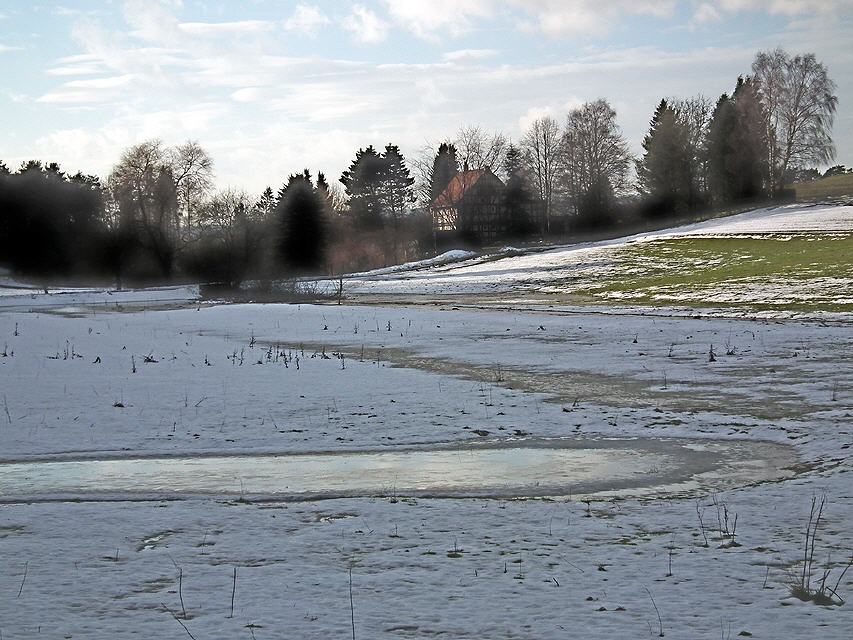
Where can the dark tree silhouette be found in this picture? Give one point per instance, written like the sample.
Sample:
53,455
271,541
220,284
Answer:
518,200
302,248
444,167
48,226
266,203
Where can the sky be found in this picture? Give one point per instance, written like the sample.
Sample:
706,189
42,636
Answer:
269,88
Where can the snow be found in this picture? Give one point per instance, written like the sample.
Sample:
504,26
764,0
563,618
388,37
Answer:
448,257
89,381
790,218
17,296
562,269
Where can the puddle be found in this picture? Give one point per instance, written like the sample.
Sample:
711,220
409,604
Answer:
558,467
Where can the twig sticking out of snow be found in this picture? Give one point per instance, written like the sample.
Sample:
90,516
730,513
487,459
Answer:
657,611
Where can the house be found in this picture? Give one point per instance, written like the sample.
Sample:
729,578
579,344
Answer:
471,206
478,208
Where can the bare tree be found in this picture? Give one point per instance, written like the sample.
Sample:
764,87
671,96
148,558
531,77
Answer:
143,189
192,171
541,144
800,102
479,149
594,153
422,165
231,218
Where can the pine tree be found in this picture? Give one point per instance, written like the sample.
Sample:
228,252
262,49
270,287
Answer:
444,167
517,203
305,176
720,151
325,193
737,146
363,184
31,165
664,172
513,159
396,182
302,248
751,164
266,203
4,170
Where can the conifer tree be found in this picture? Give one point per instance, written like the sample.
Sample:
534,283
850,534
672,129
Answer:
737,146
513,159
517,204
325,193
266,203
444,167
396,182
363,184
302,246
664,171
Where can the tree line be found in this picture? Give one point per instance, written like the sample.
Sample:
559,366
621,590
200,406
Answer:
158,215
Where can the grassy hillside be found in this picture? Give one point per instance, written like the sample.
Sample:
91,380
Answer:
798,272
834,187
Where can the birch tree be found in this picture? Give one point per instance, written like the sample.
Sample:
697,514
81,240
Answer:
541,143
800,102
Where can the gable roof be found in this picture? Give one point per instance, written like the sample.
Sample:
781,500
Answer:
458,186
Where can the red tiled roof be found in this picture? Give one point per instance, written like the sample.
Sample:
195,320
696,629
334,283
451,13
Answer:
458,186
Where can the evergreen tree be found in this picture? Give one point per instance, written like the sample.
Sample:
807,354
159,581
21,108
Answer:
396,182
513,159
305,176
751,161
737,146
721,136
302,248
444,167
664,171
266,203
52,169
4,170
31,165
518,200
363,182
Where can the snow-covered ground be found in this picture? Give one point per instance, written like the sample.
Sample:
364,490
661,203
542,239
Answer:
564,270
420,567
14,295
87,381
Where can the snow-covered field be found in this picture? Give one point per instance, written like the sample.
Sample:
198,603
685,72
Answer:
574,274
82,382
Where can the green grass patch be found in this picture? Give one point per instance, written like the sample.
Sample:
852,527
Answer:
796,272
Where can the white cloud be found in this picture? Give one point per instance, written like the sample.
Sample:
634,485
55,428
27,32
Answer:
464,55
436,18
557,111
248,102
704,13
365,25
533,114
4,48
587,17
785,7
306,19
216,29
75,70
248,94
